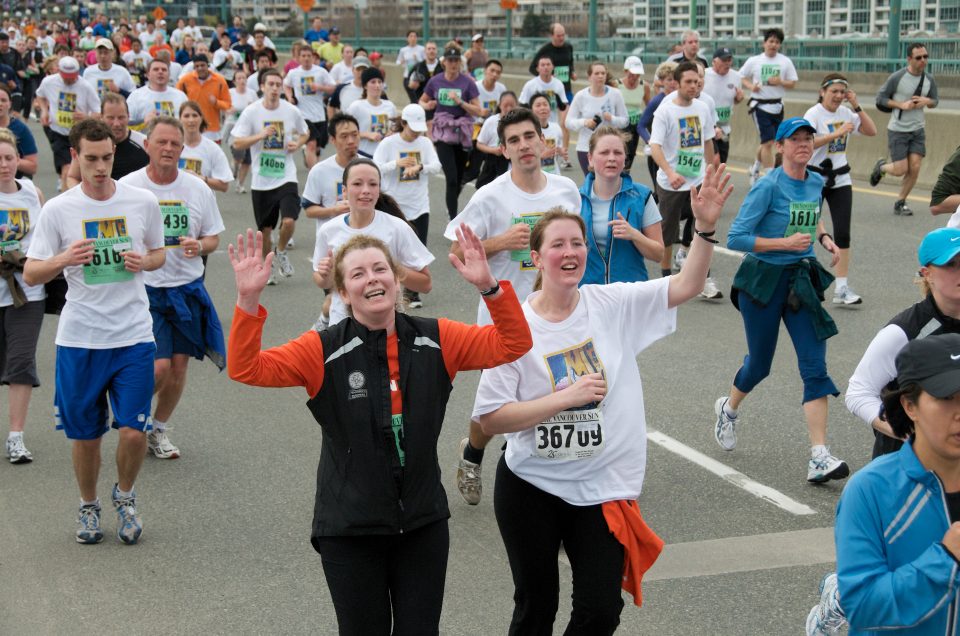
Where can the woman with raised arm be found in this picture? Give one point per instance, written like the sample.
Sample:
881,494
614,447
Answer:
378,383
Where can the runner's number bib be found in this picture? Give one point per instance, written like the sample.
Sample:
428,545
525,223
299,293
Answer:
689,164
804,216
176,222
108,265
571,435
523,256
562,73
272,166
767,71
723,114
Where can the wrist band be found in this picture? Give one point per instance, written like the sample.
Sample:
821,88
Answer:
858,109
493,290
820,238
706,236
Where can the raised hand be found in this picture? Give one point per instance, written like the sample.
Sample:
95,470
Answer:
474,268
707,204
250,269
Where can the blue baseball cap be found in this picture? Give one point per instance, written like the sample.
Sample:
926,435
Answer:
789,126
939,246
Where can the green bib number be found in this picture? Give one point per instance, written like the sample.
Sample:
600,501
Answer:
723,114
9,246
445,96
107,265
634,115
523,256
804,217
272,166
562,73
689,164
176,222
767,71
396,423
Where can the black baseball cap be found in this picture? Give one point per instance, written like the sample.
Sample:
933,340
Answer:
933,363
723,53
451,53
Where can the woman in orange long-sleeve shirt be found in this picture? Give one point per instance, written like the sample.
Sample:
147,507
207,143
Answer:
378,383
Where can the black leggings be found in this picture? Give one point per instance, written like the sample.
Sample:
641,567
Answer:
453,159
633,140
421,225
533,525
840,201
387,583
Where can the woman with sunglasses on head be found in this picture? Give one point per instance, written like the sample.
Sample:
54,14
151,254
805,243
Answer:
378,384
835,123
573,414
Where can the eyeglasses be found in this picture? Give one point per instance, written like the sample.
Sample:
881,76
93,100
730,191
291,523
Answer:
920,57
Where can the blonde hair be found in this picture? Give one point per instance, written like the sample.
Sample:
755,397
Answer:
606,130
665,70
539,229
362,242
7,137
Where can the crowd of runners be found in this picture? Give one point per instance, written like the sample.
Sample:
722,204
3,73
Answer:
566,299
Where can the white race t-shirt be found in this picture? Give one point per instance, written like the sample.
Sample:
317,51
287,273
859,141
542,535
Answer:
598,452
488,132
176,70
227,62
826,123
553,89
341,73
349,94
404,246
19,213
760,68
100,78
206,159
306,88
553,138
107,306
499,205
372,119
682,132
67,99
239,101
140,61
324,186
409,57
723,90
411,194
490,99
186,199
583,108
145,100
272,164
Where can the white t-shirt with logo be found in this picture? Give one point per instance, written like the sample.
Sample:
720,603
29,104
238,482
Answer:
239,101
145,100
760,68
324,186
409,57
227,62
189,208
498,206
553,89
140,61
100,78
585,106
553,138
490,99
107,306
272,164
682,132
411,194
826,123
206,159
372,119
306,88
723,90
595,453
404,246
19,213
341,73
349,94
67,99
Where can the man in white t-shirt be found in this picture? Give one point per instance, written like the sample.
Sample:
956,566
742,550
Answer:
107,76
103,235
409,56
501,214
490,89
767,76
681,145
136,60
157,97
546,83
192,224
306,86
273,130
65,98
722,83
227,61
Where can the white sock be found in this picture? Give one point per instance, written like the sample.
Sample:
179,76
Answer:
757,166
15,434
95,502
841,282
159,426
728,411
818,449
121,493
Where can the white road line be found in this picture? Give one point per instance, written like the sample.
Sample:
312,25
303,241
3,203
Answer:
735,477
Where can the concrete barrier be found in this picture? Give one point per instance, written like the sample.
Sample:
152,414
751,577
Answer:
943,130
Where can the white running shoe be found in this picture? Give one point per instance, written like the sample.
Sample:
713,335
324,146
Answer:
846,296
322,322
284,264
291,244
273,273
17,453
710,290
160,445
469,482
679,257
754,175
826,617
824,467
725,430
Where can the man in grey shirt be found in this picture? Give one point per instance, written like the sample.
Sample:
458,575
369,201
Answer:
907,92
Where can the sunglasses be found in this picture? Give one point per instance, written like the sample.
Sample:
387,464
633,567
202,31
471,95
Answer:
920,57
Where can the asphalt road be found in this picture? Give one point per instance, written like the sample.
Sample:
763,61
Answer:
225,547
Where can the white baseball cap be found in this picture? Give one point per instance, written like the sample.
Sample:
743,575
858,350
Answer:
633,65
415,117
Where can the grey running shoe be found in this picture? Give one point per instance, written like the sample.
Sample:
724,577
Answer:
160,445
129,525
17,453
710,290
877,173
826,617
846,296
824,467
88,525
725,430
283,262
469,482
